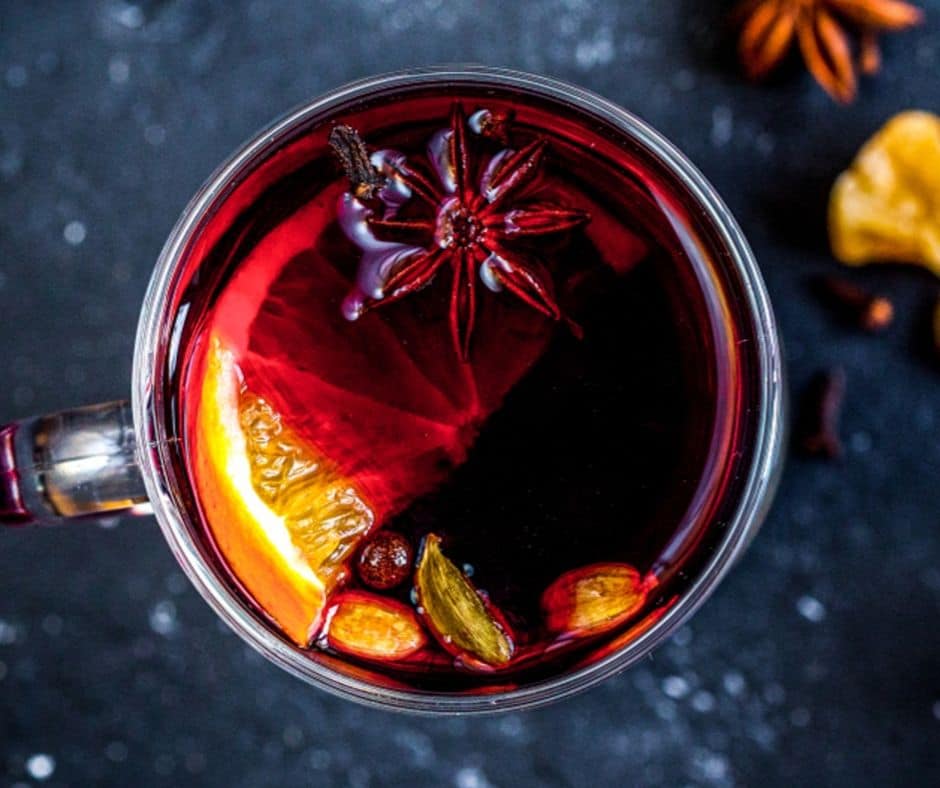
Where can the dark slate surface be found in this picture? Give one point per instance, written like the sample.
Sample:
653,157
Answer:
816,662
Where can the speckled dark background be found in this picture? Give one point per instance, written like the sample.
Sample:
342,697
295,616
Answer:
818,660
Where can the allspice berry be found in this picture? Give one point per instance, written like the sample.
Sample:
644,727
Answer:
385,561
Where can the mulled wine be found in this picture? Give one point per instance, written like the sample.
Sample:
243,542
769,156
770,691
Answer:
460,388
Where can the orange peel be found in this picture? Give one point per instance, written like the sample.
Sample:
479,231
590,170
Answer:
283,518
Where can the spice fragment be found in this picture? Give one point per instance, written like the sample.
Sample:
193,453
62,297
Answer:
492,125
869,311
365,179
818,432
385,560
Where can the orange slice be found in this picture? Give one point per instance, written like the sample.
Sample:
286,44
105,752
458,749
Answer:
283,517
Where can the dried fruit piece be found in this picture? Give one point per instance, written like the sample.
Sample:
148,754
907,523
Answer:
373,627
385,561
886,206
594,599
458,616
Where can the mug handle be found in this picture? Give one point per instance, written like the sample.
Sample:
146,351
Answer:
79,463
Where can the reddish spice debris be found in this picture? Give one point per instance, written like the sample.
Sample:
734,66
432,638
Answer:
869,311
818,434
385,561
494,125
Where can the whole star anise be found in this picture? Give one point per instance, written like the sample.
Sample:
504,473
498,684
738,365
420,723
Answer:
467,220
819,28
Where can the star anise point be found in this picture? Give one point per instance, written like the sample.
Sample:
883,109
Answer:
770,28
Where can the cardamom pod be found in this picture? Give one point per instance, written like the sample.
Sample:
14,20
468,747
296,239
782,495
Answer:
455,611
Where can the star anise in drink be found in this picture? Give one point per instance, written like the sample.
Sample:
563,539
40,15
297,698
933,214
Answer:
466,218
821,31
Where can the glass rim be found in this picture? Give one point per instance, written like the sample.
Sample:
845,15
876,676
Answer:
156,467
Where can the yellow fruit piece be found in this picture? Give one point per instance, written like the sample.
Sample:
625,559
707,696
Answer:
281,515
374,627
886,206
593,599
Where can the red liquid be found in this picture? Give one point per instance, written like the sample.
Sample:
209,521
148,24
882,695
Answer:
541,453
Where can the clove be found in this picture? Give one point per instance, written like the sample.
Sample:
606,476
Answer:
365,179
818,434
869,311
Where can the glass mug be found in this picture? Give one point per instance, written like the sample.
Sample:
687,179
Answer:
115,458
